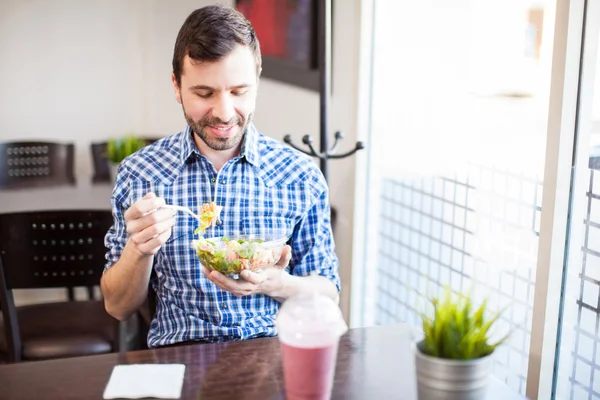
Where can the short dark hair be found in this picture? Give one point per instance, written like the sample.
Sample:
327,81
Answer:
211,33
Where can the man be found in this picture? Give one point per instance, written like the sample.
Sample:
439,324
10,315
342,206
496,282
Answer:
262,185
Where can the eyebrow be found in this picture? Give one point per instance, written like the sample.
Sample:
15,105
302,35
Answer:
205,87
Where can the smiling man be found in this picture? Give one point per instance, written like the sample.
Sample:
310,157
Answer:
264,188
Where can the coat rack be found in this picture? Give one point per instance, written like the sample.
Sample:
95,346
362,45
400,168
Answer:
324,65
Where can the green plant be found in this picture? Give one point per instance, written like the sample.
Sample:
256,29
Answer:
457,330
119,148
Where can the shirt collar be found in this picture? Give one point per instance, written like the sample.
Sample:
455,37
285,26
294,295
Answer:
188,146
249,146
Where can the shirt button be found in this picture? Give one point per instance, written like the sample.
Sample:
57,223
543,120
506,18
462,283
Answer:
219,222
213,180
224,306
223,181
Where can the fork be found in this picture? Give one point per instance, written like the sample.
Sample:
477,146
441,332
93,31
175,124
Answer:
182,209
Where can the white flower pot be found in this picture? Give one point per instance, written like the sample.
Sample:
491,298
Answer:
441,378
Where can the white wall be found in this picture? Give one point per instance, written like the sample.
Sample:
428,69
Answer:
69,71
83,70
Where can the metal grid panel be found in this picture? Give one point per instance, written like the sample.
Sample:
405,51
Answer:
478,232
585,372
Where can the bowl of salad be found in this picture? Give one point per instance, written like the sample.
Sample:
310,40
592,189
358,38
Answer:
231,256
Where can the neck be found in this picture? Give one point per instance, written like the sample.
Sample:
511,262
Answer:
218,158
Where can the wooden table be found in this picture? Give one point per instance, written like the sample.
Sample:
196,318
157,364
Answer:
373,363
82,196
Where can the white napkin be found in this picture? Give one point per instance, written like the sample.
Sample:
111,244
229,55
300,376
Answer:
136,381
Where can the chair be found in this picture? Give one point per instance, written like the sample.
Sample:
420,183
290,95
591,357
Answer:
34,164
50,249
100,163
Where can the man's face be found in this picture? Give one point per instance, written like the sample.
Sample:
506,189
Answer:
218,98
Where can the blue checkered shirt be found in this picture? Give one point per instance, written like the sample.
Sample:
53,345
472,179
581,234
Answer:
268,188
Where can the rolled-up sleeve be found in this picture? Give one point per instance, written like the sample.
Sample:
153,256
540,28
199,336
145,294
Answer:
116,237
313,247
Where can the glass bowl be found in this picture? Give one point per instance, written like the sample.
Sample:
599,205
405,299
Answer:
231,256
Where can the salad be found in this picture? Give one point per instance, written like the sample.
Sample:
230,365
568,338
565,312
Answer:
209,215
233,256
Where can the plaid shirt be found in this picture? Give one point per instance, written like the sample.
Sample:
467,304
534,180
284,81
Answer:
269,188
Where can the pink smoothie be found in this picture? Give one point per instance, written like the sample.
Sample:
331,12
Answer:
308,371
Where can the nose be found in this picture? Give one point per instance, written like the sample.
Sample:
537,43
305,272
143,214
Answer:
223,109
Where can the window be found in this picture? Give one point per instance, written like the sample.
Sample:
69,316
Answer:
460,131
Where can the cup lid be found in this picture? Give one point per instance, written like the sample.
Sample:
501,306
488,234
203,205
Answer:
310,314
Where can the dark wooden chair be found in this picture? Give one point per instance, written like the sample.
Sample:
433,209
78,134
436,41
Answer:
50,249
34,164
101,164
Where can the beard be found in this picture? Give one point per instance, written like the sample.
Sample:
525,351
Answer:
217,143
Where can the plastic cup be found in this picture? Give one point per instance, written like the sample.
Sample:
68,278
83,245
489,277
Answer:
309,328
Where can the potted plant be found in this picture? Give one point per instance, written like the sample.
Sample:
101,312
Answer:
119,148
453,361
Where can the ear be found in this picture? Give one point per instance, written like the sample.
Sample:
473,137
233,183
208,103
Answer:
258,76
176,88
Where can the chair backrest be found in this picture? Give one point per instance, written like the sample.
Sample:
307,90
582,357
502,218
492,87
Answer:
33,164
100,162
49,249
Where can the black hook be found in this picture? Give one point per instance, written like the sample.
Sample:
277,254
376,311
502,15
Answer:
307,140
359,146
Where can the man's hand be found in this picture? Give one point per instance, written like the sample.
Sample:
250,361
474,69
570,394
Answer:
269,281
149,225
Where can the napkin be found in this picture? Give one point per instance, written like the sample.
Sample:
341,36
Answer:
136,381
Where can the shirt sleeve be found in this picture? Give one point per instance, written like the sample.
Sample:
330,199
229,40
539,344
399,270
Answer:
313,246
116,237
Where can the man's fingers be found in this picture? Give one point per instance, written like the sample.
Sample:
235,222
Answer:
286,256
152,231
153,245
143,207
156,217
252,277
235,286
213,280
219,279
225,282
